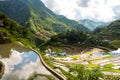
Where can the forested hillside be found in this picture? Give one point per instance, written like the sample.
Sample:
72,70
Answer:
35,15
112,31
10,31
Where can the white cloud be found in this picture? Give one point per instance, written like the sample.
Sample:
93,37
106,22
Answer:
100,10
116,12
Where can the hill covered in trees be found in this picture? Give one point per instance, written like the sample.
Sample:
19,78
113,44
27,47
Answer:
35,15
112,31
10,31
78,38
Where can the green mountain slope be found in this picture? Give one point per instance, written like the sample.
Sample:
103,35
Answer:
112,31
16,10
35,15
11,31
92,24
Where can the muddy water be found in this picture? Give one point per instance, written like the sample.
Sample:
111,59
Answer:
20,63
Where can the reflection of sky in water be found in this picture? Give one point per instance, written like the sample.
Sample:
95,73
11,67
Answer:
19,66
27,57
115,52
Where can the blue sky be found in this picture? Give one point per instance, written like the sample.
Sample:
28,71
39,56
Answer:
98,10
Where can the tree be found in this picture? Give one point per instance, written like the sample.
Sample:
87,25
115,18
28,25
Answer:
86,74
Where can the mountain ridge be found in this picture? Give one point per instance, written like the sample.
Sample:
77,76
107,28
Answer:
35,15
90,24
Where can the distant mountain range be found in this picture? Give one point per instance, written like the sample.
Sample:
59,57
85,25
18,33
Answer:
36,16
90,24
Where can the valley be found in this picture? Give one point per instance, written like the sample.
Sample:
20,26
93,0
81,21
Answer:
38,44
108,62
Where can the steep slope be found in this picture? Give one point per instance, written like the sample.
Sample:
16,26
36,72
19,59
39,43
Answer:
10,31
35,15
16,10
73,24
112,31
92,24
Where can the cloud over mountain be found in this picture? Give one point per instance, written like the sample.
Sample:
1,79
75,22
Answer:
99,10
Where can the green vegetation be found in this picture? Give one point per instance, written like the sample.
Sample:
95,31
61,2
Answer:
109,56
89,53
109,68
106,53
112,31
111,77
92,65
75,57
92,24
97,30
38,18
85,74
41,75
109,65
76,38
11,31
4,38
110,34
116,43
39,24
13,28
80,72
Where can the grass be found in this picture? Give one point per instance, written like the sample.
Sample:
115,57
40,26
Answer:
26,43
109,56
92,66
75,57
89,53
110,70
60,56
109,65
97,59
32,77
106,53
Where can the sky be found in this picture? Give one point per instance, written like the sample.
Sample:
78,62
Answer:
97,10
